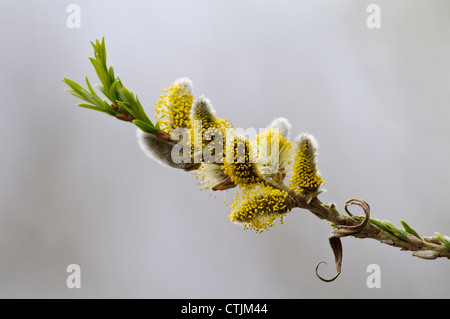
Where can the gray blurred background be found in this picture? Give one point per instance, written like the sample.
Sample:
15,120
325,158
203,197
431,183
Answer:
76,188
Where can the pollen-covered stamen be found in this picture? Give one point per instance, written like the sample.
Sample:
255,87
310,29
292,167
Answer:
306,177
240,164
208,132
174,106
259,207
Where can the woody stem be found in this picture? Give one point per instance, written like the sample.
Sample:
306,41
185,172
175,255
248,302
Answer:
420,247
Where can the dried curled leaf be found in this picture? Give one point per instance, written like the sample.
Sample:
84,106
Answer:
342,231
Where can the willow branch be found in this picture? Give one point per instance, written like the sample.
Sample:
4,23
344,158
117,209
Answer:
264,195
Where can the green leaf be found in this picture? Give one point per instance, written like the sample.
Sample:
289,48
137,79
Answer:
390,228
73,85
111,74
380,224
143,115
113,91
444,239
103,90
94,95
395,230
128,98
157,123
145,127
92,107
100,51
75,94
409,230
109,109
80,92
101,73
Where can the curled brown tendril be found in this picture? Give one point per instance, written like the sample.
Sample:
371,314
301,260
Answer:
343,231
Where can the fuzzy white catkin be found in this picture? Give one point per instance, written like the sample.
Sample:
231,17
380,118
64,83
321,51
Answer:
185,84
283,125
304,138
161,151
202,107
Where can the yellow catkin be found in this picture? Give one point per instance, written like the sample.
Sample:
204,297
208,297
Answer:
212,129
173,108
259,207
305,175
278,162
241,169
